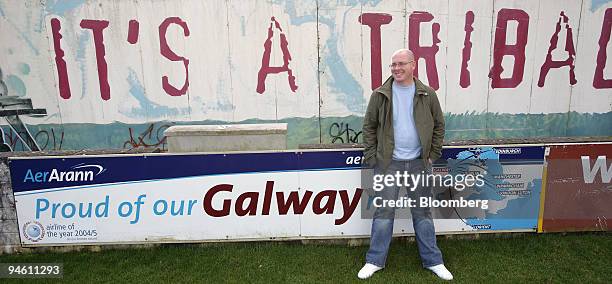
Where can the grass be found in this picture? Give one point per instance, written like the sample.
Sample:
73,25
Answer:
584,257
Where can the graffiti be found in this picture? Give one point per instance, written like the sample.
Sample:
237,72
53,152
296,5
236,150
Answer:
13,141
598,80
97,27
501,47
569,47
464,80
43,138
294,60
3,92
168,53
133,28
150,138
265,61
49,140
428,53
3,88
343,133
4,147
10,108
374,21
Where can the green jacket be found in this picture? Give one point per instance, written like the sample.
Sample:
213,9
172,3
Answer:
378,124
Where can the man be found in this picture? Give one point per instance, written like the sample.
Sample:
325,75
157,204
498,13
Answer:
403,130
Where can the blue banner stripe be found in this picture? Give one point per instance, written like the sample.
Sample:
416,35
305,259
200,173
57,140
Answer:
39,174
39,191
31,174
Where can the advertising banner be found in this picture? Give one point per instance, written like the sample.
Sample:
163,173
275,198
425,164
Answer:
512,185
245,196
578,195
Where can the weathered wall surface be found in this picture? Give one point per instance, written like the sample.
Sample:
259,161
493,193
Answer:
9,232
116,74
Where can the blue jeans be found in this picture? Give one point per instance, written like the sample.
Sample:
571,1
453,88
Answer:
382,223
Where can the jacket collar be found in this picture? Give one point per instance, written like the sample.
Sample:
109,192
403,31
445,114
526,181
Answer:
387,86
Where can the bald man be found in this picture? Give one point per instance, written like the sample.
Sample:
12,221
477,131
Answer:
403,130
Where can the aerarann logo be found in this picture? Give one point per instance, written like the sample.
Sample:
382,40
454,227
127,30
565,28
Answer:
80,172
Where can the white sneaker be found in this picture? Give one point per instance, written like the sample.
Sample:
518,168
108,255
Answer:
367,270
441,271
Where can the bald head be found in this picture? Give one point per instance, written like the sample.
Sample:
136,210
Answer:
404,52
402,66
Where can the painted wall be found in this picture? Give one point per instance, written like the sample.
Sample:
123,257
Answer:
115,74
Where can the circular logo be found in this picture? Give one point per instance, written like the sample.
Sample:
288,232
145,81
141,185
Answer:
33,231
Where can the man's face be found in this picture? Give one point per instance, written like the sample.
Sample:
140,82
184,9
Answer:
402,67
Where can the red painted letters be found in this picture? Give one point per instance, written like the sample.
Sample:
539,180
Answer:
97,27
569,47
265,60
501,49
62,71
168,53
133,31
374,21
426,52
464,79
604,39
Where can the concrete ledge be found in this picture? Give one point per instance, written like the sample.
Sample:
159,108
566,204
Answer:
227,138
226,129
489,141
331,146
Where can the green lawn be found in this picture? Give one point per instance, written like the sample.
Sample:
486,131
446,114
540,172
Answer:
584,258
